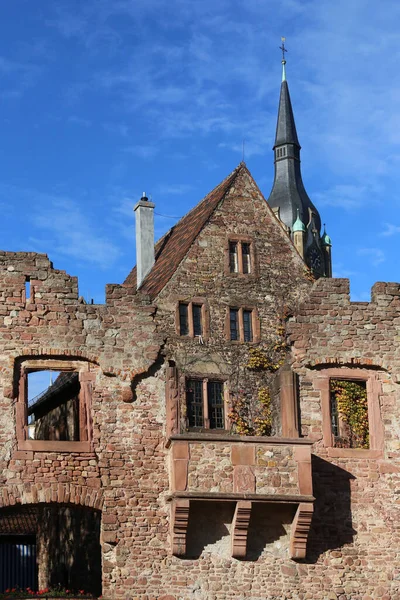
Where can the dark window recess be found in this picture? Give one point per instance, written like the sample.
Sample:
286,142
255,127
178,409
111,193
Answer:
197,326
194,402
247,326
233,257
234,323
183,319
216,404
246,258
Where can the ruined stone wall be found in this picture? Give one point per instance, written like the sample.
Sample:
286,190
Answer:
116,344
354,541
354,538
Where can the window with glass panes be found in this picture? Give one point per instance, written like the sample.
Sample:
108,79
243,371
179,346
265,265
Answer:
241,324
191,319
205,403
240,257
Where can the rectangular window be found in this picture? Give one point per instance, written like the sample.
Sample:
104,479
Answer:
205,404
194,402
241,324
240,257
233,257
54,405
183,319
234,323
246,258
191,318
197,319
216,404
349,413
247,325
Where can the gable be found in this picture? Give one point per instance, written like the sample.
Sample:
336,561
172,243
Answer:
235,207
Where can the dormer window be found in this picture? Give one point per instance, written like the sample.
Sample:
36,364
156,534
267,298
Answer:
241,258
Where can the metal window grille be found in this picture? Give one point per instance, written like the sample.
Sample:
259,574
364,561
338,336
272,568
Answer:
247,326
17,563
234,323
216,404
197,325
183,319
194,402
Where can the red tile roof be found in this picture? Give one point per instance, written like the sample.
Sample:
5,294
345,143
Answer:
174,245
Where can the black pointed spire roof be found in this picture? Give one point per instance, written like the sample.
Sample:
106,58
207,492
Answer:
286,127
288,192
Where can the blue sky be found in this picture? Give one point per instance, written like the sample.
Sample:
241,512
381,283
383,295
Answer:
101,100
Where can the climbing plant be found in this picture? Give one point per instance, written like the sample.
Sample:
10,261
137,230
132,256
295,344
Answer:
352,408
253,415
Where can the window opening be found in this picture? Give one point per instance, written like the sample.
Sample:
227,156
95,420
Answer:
197,325
241,324
191,319
240,257
53,405
247,326
349,413
216,404
233,257
205,404
183,319
246,258
234,323
194,402
27,289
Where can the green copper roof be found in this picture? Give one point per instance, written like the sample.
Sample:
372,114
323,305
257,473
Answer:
298,225
326,240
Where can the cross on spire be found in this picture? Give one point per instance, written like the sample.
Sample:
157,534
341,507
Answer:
283,50
283,58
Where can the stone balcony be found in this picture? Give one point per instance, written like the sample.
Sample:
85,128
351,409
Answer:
243,470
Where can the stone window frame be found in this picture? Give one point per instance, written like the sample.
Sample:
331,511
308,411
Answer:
86,379
255,323
240,239
226,404
374,391
199,301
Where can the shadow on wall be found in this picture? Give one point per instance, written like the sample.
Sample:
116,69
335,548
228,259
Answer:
331,526
64,539
269,530
210,527
70,547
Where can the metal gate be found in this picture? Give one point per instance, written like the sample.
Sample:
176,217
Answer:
18,562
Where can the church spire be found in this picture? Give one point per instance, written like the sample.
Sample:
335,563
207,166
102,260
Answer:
288,196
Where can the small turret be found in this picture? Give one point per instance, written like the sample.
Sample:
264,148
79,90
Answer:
327,252
298,234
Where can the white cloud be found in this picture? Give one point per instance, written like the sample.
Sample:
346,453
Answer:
390,230
376,255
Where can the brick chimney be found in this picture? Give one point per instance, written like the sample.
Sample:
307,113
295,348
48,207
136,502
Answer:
144,213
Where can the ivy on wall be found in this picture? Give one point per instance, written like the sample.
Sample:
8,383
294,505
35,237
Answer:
254,415
352,408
